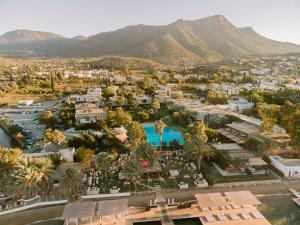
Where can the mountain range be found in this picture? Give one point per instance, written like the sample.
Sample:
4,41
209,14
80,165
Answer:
204,40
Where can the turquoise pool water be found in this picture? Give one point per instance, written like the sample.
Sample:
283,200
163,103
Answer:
168,136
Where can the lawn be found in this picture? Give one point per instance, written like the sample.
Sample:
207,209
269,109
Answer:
280,210
210,170
29,216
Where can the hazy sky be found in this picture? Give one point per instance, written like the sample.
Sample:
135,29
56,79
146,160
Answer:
278,19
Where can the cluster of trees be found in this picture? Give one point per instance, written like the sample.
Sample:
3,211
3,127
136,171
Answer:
21,176
195,143
287,115
67,115
48,119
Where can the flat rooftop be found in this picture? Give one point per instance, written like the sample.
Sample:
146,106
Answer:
228,146
242,198
287,162
244,127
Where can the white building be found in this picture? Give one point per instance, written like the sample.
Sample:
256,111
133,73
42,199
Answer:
95,92
143,99
90,115
240,104
289,167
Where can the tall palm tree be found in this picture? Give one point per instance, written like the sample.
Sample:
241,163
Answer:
199,150
159,129
104,161
72,184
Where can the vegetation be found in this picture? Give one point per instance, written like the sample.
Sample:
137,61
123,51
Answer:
196,142
72,185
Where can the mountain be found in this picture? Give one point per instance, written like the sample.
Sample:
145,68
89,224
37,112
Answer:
21,36
209,39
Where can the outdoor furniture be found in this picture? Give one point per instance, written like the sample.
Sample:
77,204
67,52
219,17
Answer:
193,166
186,176
233,216
92,191
221,217
174,173
183,186
114,190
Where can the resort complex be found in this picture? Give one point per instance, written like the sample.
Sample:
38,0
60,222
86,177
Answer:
183,122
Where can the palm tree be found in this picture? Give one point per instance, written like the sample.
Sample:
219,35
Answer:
133,171
159,128
197,149
9,160
196,142
72,184
104,161
33,175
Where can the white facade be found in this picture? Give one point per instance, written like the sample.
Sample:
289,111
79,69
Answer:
289,167
240,105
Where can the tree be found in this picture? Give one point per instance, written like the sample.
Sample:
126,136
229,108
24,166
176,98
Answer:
159,128
295,133
133,171
155,105
72,184
85,156
104,161
47,118
268,148
9,161
142,116
146,152
269,115
196,142
33,175
55,136
212,134
136,134
52,79
119,117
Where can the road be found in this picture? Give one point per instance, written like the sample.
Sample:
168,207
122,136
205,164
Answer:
271,189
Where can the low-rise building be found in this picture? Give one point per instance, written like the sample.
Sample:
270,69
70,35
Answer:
90,115
289,167
240,104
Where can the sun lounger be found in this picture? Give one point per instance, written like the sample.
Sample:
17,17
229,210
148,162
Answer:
210,218
257,215
221,217
245,216
233,216
203,209
235,206
173,201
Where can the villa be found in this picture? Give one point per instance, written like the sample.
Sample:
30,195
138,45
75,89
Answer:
89,115
143,100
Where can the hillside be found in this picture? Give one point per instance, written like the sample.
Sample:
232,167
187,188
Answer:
21,36
182,42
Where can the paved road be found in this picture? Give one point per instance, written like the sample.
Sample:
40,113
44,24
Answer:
143,199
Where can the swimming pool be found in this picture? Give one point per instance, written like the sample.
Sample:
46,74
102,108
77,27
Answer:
168,136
